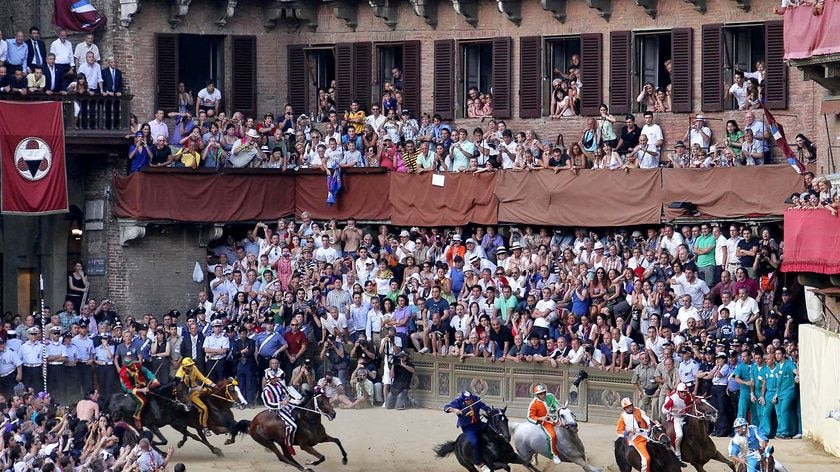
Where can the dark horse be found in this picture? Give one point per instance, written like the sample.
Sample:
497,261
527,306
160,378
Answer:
269,430
495,445
220,420
165,405
697,447
662,457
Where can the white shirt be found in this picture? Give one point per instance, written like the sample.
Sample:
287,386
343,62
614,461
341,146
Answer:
208,99
701,137
672,243
93,73
331,324
63,51
4,50
653,133
744,309
81,52
732,248
685,314
740,93
158,128
720,247
216,342
696,290
375,122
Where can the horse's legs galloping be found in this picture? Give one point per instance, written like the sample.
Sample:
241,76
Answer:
203,439
157,434
721,458
337,442
284,456
311,450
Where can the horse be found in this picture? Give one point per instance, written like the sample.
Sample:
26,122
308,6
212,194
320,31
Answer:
531,440
662,457
269,430
220,418
697,447
165,405
495,445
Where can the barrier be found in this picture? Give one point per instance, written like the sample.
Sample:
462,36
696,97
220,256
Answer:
598,400
819,377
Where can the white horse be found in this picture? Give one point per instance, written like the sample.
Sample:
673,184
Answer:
530,440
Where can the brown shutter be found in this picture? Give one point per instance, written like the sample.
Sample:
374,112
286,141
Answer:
775,79
620,76
244,75
296,83
166,88
502,81
362,70
344,78
590,68
711,68
411,77
530,77
682,46
444,82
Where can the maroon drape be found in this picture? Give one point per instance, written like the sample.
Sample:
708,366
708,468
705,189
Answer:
464,198
812,241
362,196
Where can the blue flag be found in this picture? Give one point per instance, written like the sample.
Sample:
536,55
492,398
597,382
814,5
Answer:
333,185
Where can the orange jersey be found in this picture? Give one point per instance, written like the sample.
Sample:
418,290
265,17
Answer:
537,410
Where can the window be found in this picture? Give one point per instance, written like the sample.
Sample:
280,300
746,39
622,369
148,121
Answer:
200,60
477,67
390,56
310,70
652,52
562,56
743,48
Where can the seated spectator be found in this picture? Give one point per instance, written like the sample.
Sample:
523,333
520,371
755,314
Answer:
140,155
663,101
36,82
246,151
209,99
215,156
188,156
162,156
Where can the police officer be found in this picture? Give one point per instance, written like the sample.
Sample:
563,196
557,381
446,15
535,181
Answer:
216,347
71,385
644,378
11,370
230,359
246,365
56,354
688,369
269,344
145,343
31,354
84,351
106,376
12,341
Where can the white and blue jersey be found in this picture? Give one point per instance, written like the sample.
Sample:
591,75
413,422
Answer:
747,447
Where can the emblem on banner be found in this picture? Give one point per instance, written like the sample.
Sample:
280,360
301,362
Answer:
33,158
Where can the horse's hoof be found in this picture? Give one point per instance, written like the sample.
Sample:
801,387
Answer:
218,452
343,461
180,444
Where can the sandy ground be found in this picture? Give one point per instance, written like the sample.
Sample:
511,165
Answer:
377,439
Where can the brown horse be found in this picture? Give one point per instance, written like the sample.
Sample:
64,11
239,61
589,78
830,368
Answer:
269,430
697,447
220,420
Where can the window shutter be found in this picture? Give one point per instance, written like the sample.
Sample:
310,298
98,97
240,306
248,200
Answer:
775,79
711,65
681,54
244,75
296,83
530,77
166,89
362,73
444,82
344,77
620,76
591,70
411,77
502,81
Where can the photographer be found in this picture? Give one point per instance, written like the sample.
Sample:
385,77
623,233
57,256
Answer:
335,356
401,375
362,385
302,376
139,153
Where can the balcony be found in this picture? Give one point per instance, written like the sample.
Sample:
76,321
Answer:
90,121
813,45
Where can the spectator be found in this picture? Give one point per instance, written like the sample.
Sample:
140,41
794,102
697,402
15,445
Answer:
62,49
158,127
37,54
139,153
209,99
83,48
17,51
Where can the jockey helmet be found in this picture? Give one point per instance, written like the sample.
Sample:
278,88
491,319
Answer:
739,422
539,388
681,387
130,361
625,402
187,361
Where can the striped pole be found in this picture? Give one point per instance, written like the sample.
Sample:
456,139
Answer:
43,335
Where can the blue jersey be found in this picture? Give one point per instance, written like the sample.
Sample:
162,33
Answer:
470,415
752,441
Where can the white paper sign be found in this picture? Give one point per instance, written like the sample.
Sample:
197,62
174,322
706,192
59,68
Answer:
438,180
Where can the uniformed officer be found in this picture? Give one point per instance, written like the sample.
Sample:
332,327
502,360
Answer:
216,347
644,378
230,359
56,354
84,350
11,370
31,354
145,343
71,362
688,369
12,341
269,344
106,376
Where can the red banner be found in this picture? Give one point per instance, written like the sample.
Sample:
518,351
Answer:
77,15
34,174
812,241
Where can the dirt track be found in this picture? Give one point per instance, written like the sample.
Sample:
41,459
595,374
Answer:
380,440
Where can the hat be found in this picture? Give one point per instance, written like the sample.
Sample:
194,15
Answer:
708,350
598,245
720,355
733,353
515,246
387,138
785,291
740,324
230,328
470,240
405,112
228,271
138,134
174,313
456,237
501,250
105,335
252,133
55,329
699,117
636,234
415,229
468,269
216,322
679,144
142,327
404,234
473,258
118,325
11,333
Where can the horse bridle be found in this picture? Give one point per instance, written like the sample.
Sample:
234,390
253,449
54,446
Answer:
490,422
174,394
703,416
559,419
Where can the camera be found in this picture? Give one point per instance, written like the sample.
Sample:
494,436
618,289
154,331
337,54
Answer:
582,375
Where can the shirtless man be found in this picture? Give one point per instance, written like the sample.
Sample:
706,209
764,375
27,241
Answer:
351,236
88,409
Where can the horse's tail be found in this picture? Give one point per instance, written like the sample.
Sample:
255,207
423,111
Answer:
621,456
443,450
241,426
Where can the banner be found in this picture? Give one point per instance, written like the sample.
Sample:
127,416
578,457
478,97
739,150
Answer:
34,174
77,15
778,133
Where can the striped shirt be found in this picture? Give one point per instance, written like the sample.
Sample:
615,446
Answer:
273,395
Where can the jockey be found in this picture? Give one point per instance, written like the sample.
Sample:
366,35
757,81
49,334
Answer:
136,381
676,406
197,383
552,404
467,407
632,426
748,445
538,414
276,398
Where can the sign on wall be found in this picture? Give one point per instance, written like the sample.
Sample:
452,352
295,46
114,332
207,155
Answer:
95,266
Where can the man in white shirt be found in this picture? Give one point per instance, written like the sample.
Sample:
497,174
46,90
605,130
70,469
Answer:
686,312
670,240
158,126
738,90
85,47
208,100
93,73
63,50
4,49
406,246
326,253
733,262
694,287
646,153
759,131
746,308
462,150
720,252
375,119
364,264
653,131
699,133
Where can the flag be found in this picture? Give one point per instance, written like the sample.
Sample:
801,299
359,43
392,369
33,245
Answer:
778,132
34,174
333,185
77,15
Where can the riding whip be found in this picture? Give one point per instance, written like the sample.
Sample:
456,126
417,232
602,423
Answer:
43,335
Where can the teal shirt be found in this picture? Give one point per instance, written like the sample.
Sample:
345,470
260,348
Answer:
772,381
703,242
743,372
786,383
506,307
759,376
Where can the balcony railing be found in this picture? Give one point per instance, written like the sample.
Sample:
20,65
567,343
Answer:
89,119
